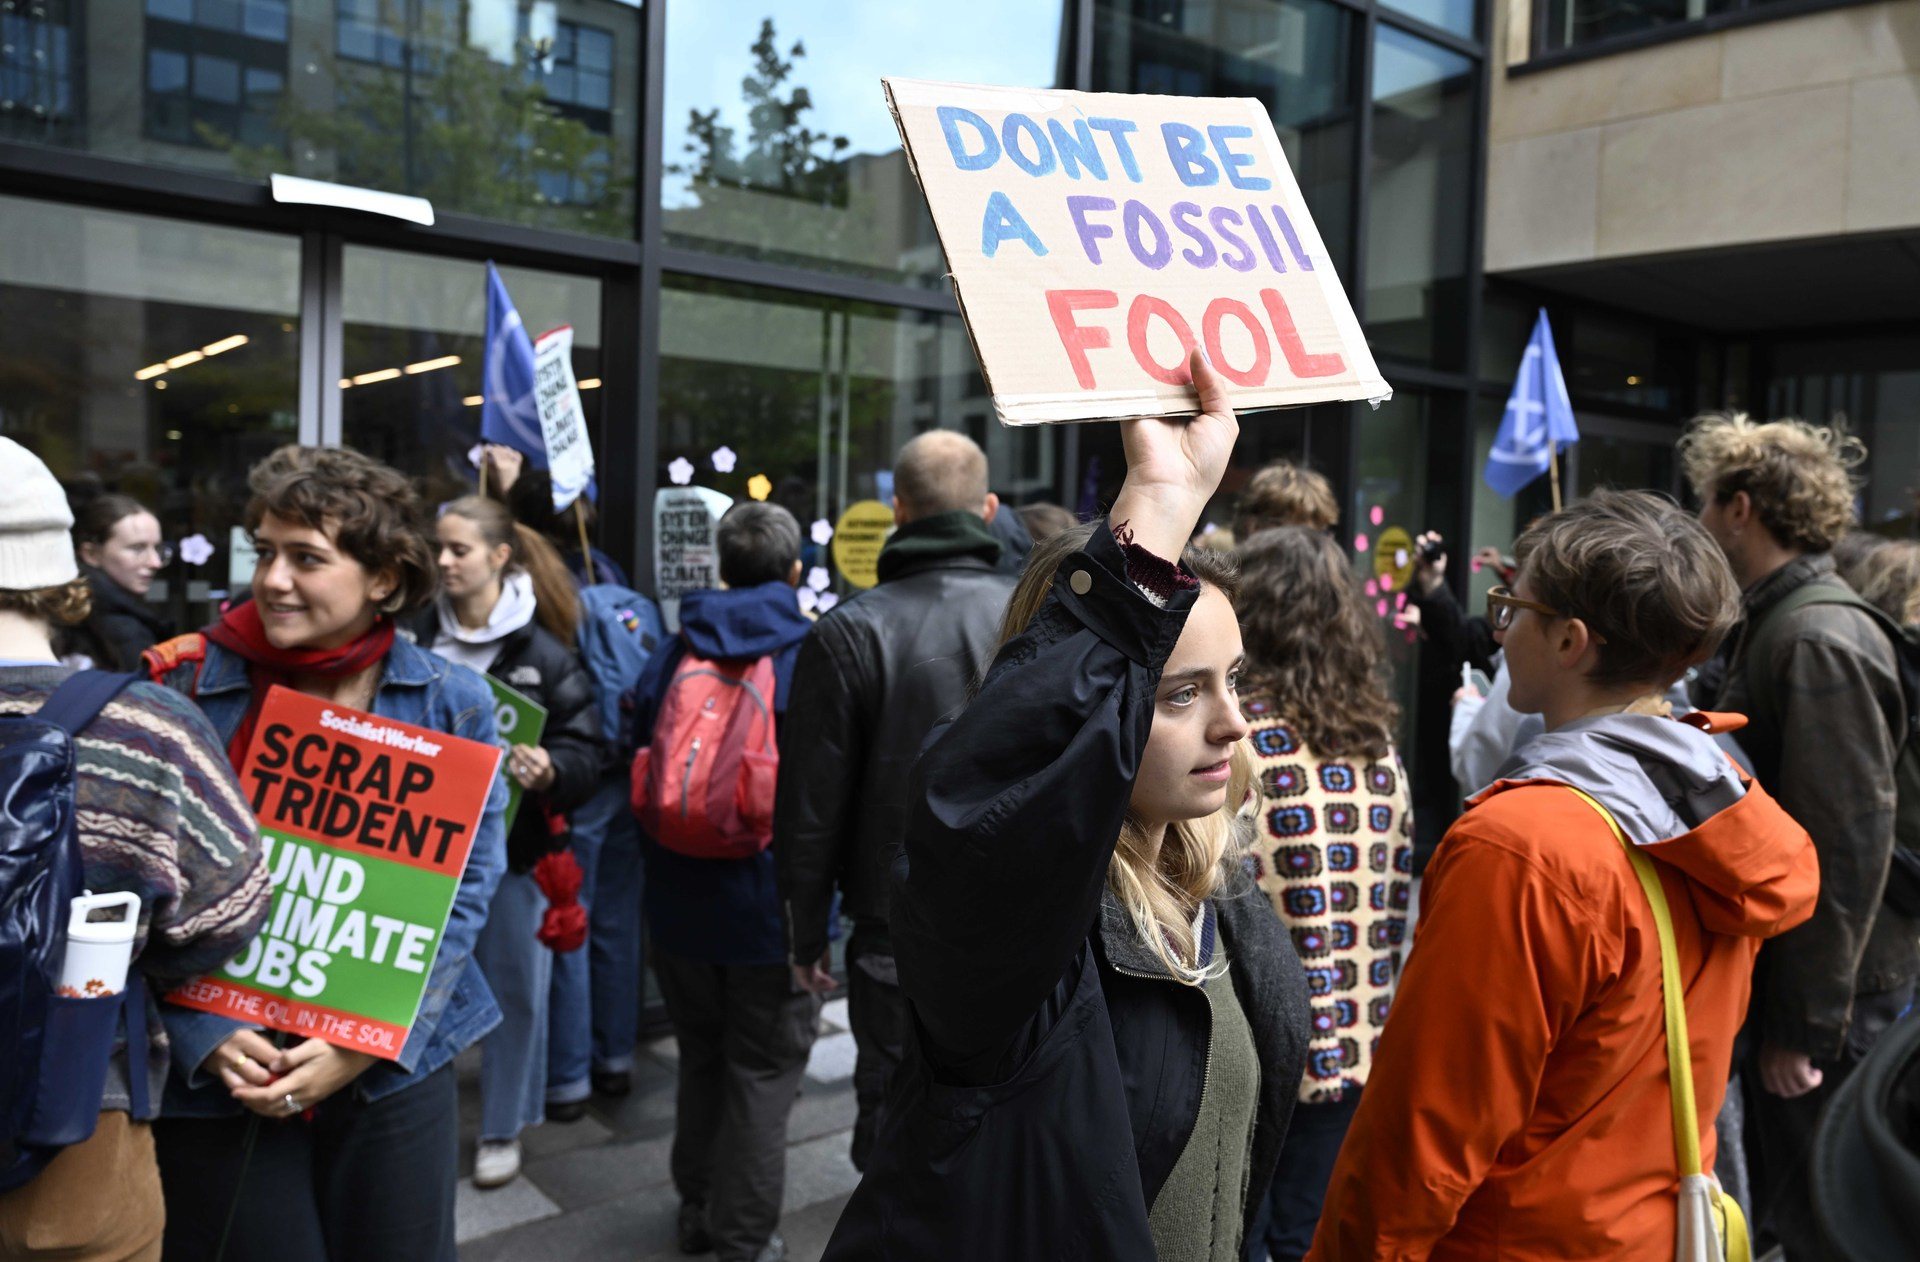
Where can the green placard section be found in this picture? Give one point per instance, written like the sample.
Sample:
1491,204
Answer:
346,925
519,720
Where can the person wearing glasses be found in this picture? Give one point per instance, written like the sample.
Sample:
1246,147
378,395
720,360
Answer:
120,551
1519,1103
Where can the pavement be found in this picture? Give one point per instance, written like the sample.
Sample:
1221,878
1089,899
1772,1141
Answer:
598,1189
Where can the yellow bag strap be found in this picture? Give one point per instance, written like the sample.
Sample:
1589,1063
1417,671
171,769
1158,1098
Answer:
1686,1117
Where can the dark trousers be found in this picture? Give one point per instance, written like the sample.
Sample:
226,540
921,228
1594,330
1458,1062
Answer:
877,1011
1283,1225
360,1181
1780,1135
744,1035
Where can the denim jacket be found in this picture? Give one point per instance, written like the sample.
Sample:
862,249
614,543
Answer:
457,1008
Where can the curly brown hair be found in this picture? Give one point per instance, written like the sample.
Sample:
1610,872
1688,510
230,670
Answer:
1799,476
369,509
1284,494
64,606
1314,649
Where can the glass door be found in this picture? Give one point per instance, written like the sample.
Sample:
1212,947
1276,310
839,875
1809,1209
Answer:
154,358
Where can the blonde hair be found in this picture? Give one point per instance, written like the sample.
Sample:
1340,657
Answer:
1888,577
1800,476
1162,893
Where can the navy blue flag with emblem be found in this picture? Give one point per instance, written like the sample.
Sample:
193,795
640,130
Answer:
1539,420
509,415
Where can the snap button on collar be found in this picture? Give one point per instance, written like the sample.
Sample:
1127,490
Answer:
1081,582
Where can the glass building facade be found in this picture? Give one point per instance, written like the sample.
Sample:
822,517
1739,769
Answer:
710,192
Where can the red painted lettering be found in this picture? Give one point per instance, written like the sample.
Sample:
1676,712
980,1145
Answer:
1077,341
1298,360
1218,310
1144,307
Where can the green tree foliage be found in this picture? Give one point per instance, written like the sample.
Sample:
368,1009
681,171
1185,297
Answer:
477,137
783,154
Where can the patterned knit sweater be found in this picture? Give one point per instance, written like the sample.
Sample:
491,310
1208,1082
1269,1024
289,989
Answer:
1335,853
159,813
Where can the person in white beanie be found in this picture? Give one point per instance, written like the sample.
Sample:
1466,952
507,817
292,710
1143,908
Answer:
150,770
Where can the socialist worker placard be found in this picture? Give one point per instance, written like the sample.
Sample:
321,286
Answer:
367,823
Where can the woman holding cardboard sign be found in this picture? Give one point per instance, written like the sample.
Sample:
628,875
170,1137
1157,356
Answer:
357,1157
1112,1021
508,608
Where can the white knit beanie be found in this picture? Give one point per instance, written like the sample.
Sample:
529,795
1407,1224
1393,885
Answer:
36,543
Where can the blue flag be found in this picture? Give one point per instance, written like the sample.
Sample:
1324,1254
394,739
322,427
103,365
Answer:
509,413
1539,419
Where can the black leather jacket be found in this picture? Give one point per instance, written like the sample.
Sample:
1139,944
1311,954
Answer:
1055,1070
871,681
532,662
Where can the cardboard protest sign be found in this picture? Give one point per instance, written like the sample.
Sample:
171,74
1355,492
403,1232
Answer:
517,720
685,557
562,424
367,824
1096,238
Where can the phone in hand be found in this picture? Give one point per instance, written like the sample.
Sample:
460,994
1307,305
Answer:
1475,679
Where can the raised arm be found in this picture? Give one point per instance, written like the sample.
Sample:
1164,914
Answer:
1018,804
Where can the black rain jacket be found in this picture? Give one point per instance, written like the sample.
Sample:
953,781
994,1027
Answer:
1055,1071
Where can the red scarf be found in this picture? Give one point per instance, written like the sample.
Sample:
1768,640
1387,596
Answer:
241,632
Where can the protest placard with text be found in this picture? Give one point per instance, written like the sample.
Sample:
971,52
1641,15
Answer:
367,824
1095,239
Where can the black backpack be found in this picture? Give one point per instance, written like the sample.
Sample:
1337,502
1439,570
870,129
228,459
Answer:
1903,877
58,1047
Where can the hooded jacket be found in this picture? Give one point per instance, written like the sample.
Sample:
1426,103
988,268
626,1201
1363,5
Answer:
1519,1106
516,650
721,911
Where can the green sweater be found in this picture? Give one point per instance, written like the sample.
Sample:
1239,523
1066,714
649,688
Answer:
1201,1208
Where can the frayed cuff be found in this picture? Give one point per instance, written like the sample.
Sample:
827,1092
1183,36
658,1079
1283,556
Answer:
1157,578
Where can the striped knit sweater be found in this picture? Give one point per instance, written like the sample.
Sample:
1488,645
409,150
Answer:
159,812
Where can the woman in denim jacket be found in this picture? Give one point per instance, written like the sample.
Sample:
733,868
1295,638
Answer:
356,1157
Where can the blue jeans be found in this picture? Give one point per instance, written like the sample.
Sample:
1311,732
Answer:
518,968
595,1019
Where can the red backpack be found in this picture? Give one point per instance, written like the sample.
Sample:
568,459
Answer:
704,787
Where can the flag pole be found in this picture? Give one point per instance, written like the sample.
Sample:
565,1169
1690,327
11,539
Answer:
1553,471
586,549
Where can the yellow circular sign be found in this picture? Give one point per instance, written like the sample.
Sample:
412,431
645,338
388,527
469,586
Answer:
857,541
1393,558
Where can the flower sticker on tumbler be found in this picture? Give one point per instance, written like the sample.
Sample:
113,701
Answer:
195,550
724,459
818,579
759,486
680,471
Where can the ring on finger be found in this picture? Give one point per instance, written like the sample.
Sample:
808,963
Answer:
293,1105
238,1060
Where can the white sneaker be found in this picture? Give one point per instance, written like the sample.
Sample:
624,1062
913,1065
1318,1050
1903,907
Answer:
497,1163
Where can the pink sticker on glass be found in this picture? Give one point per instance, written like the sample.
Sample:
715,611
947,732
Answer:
1382,607
1359,543
1376,514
